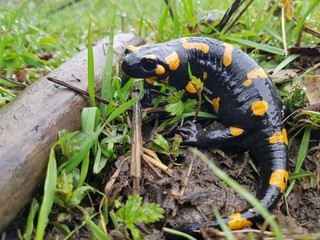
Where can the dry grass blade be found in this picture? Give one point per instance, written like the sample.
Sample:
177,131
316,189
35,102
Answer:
108,187
184,185
135,166
157,164
152,170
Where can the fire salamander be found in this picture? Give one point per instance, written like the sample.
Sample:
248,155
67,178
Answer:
241,94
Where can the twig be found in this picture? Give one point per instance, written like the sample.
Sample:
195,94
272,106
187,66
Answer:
155,163
135,166
186,179
239,15
142,227
12,81
152,170
97,98
228,14
312,31
83,92
184,185
170,8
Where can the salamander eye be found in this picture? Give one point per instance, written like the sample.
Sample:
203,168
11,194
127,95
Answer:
148,64
127,51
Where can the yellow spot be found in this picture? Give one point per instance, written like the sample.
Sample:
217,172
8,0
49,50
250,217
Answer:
279,178
133,48
238,222
259,107
236,131
215,103
247,83
258,72
190,88
205,75
227,56
165,81
151,56
194,45
150,80
279,137
173,61
160,70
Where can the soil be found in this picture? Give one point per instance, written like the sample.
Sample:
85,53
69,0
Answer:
298,214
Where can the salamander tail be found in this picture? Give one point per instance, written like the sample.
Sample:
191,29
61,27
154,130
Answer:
273,181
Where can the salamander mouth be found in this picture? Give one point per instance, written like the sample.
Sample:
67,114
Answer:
163,79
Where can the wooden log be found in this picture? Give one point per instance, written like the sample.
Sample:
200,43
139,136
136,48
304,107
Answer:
29,125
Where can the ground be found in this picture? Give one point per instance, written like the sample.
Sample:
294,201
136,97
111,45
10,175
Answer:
298,214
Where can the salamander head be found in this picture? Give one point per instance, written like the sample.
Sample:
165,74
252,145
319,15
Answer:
152,62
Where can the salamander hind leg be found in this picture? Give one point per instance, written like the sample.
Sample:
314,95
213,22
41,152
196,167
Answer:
195,135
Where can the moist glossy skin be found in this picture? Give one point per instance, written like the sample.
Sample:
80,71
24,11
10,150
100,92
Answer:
241,94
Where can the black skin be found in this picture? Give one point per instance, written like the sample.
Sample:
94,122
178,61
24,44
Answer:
226,82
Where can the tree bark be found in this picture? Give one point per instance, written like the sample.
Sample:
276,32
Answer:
30,124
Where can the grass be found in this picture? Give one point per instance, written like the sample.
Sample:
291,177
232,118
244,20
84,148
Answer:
38,27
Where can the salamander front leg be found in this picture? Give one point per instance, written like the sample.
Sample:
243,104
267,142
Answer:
195,135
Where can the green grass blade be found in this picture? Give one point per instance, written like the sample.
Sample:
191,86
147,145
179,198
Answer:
303,148
34,207
32,60
178,233
79,227
301,156
273,33
175,13
79,156
163,21
3,40
285,62
122,108
90,68
48,196
106,90
264,47
188,8
141,24
124,92
90,119
223,225
259,25
97,161
294,176
240,190
191,114
97,231
300,24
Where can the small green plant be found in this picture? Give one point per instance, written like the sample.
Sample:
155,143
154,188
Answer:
176,106
294,97
161,145
68,195
134,211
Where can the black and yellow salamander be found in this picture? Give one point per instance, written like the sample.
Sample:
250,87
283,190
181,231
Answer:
242,95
